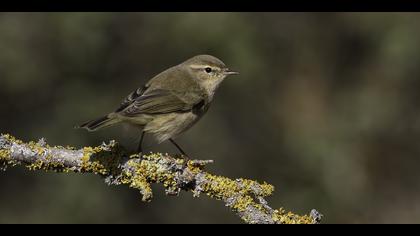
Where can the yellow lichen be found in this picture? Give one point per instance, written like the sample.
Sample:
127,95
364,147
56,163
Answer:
141,183
4,155
194,169
70,147
267,189
147,171
37,165
284,217
89,165
242,203
221,187
11,139
241,191
36,148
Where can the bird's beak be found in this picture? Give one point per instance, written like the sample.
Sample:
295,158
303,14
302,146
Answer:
229,72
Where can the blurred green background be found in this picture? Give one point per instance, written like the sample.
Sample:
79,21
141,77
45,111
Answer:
326,108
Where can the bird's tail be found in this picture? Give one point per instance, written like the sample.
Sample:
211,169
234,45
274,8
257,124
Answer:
99,123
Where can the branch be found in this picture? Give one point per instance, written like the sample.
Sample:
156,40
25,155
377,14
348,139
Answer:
111,161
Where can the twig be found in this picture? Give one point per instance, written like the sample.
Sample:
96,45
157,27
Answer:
244,197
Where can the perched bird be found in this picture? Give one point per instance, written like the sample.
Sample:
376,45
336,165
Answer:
171,102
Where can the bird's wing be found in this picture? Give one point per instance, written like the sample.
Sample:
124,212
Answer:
157,101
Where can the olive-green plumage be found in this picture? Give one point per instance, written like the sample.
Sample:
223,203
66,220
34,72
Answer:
172,101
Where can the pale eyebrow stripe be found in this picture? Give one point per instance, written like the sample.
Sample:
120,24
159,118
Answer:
199,66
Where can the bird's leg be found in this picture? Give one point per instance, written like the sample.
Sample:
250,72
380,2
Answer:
140,148
185,156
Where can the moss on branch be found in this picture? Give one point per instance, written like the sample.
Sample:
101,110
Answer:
243,196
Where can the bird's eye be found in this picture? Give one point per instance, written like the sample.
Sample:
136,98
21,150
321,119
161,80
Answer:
208,69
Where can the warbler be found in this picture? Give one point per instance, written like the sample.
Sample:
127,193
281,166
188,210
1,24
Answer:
171,102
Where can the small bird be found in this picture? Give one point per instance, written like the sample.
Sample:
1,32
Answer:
171,102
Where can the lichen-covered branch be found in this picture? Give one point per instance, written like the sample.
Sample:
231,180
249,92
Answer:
244,197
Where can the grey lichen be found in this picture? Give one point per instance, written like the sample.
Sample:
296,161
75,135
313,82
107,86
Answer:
245,197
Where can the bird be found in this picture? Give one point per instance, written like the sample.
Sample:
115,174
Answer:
171,102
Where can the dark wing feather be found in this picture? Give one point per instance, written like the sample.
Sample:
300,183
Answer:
156,102
131,98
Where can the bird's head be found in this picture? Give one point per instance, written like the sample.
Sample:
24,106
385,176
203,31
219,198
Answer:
208,70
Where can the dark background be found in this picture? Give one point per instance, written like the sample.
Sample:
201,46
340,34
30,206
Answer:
326,108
